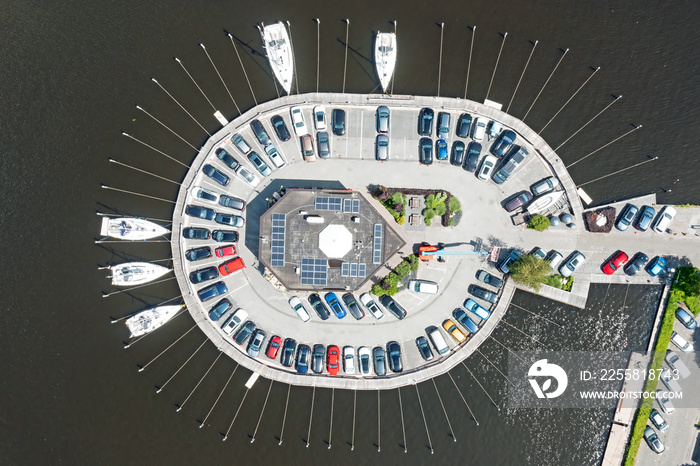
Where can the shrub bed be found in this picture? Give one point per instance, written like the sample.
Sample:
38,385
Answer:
401,274
601,220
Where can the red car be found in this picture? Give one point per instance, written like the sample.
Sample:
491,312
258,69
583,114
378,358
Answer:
226,251
617,261
333,360
273,347
228,267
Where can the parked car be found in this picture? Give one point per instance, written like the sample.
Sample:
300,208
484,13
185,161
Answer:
379,361
383,119
653,440
212,291
518,201
657,419
663,220
287,358
394,351
457,153
463,125
324,147
198,254
481,293
626,216
681,342
256,343
244,333
307,148
614,263
303,356
554,258
228,267
235,221
317,358
423,286
240,143
338,122
515,159
299,308
636,263
538,253
381,147
247,176
203,275
504,141
227,159
333,360
443,125
234,321
369,303
425,122
319,307
656,266
205,195
545,186
674,362
426,151
669,380
260,132
274,156
298,123
487,165
686,318
354,308
280,128
200,212
273,347
479,129
473,153
451,328
489,279
259,164
232,203
219,309
477,309
335,305
508,261
348,359
424,348
646,215
364,360
664,402
196,233
320,117
568,268
221,236
462,317
392,306
441,149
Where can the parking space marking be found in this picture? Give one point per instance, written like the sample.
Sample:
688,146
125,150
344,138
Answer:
242,286
435,268
362,119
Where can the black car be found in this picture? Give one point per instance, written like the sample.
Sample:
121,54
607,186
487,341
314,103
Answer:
425,122
320,308
392,306
338,121
244,332
260,132
489,279
202,275
503,142
379,361
636,263
324,148
457,153
227,159
463,125
353,307
424,348
216,175
256,343
515,158
224,236
473,153
232,202
280,128
394,350
196,233
426,151
200,212
317,358
197,254
288,349
483,294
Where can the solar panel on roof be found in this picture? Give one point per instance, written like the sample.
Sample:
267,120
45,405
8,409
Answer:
314,272
334,204
277,242
351,206
377,245
352,269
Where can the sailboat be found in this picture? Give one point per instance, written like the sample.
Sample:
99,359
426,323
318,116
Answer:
150,319
131,228
385,57
279,53
543,202
136,273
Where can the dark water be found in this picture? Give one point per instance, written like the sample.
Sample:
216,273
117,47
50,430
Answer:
72,73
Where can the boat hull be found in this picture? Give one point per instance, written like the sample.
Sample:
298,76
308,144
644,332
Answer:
131,228
385,57
136,273
280,55
543,202
150,319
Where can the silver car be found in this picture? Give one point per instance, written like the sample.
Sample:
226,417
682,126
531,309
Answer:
545,186
382,147
568,268
383,119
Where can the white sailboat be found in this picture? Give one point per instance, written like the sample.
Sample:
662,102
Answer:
131,228
150,319
385,57
279,53
543,202
136,273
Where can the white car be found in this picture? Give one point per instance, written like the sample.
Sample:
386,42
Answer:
479,129
664,219
299,308
487,165
247,176
274,156
364,360
369,303
568,268
205,195
674,362
300,128
320,117
671,383
681,342
234,321
423,286
554,258
349,359
665,404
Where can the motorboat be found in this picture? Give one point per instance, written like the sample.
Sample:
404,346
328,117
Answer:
136,273
131,228
279,53
543,202
150,319
385,57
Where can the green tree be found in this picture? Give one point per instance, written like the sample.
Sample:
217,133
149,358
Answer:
689,280
455,205
440,209
530,270
539,222
428,213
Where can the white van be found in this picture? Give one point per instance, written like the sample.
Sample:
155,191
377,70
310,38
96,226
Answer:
438,341
423,286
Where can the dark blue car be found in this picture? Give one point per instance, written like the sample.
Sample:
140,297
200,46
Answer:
216,175
303,356
335,305
503,142
212,291
200,212
220,309
462,317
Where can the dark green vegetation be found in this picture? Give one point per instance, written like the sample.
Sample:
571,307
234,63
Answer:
402,273
539,222
529,270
